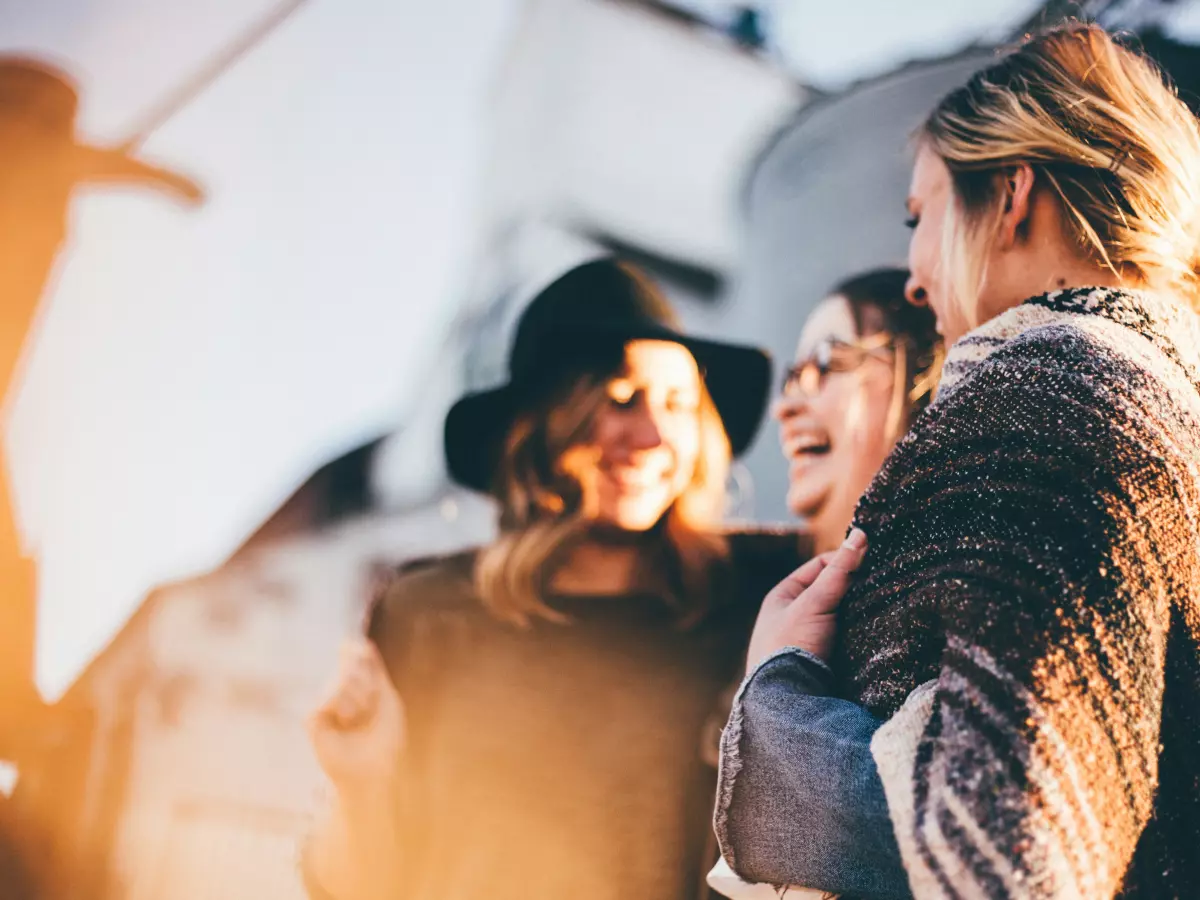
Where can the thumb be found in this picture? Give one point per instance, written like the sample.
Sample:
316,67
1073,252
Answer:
373,658
381,677
831,584
798,581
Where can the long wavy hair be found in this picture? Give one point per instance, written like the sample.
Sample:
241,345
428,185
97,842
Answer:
542,514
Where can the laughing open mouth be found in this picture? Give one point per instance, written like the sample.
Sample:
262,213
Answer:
808,446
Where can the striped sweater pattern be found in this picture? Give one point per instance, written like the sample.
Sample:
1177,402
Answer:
1028,616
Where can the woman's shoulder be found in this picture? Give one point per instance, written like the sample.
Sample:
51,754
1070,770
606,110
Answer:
1068,391
432,572
423,585
1085,341
418,607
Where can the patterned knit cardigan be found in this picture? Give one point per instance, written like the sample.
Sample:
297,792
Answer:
1028,617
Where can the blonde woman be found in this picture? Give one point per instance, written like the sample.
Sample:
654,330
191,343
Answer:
1011,707
531,717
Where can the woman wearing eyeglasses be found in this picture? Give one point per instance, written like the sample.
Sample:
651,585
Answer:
866,363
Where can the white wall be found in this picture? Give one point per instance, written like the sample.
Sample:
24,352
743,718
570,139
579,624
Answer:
606,118
193,368
614,116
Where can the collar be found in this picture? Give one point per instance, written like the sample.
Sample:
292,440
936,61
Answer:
1166,321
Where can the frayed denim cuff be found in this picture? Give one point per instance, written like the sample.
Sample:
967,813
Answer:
799,800
811,673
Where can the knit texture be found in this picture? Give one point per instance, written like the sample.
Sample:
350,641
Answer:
1034,553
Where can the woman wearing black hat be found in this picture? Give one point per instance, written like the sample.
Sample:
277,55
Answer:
531,719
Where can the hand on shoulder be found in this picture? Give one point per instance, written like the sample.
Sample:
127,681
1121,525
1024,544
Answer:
358,730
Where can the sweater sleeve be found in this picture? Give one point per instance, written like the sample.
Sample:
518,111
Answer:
1048,525
821,825
392,624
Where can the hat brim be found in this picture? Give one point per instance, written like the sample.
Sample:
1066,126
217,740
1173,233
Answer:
474,429
738,379
104,165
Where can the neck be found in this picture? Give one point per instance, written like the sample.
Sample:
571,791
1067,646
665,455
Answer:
1057,269
603,563
1081,275
1046,260
1037,280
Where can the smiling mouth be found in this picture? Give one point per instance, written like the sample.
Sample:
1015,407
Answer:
630,482
808,447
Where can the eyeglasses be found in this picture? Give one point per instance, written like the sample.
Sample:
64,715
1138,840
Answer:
808,376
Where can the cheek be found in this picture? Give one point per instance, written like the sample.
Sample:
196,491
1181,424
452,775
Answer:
689,444
923,255
684,440
604,434
836,405
860,420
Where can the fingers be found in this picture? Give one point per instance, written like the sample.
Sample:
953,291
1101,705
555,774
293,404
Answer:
796,583
360,679
849,556
831,583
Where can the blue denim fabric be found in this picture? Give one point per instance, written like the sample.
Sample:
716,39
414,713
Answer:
799,800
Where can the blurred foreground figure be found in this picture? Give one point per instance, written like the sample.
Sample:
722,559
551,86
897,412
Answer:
41,163
530,719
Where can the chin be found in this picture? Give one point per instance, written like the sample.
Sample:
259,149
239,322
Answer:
641,522
806,503
632,517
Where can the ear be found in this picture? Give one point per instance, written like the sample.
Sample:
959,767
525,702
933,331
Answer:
1017,190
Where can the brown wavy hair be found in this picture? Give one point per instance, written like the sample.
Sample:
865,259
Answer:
542,514
877,304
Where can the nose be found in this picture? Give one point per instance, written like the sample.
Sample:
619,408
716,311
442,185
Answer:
789,404
914,293
643,432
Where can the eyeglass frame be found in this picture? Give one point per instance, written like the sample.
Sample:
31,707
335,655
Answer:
881,346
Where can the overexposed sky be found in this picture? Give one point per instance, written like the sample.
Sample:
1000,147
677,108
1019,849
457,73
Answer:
830,44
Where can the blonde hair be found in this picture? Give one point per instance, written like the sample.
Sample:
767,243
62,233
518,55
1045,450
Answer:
1100,128
542,514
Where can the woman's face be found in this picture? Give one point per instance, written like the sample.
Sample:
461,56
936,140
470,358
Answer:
645,440
929,199
833,427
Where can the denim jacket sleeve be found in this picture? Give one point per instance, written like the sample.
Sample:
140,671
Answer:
799,799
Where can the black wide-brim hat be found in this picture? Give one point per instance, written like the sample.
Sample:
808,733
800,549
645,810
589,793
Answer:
587,315
38,107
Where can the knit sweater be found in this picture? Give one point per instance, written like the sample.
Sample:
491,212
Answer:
1027,617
